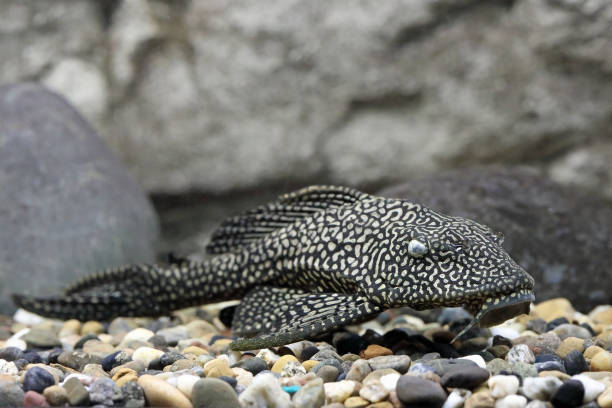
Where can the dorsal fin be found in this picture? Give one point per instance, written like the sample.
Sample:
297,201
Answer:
254,224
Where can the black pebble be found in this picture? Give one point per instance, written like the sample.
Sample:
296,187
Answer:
79,344
569,395
556,322
37,379
351,343
372,337
541,358
309,352
109,362
21,363
254,365
502,341
53,355
10,353
464,377
230,380
575,363
32,357
155,364
550,366
167,359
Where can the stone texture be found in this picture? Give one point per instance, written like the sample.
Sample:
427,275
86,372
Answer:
529,210
68,208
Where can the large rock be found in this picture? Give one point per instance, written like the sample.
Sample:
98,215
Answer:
562,237
67,207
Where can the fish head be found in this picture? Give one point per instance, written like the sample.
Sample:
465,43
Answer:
454,261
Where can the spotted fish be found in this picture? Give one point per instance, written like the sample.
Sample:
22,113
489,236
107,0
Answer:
313,261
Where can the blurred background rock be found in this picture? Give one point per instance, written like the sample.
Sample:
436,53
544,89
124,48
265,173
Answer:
209,102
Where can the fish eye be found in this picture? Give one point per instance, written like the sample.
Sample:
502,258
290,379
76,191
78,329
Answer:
417,248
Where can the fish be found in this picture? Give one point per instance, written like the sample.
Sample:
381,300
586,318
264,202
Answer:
313,261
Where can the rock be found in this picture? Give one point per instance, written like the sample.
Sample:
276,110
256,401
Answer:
43,338
160,393
77,394
8,367
11,394
173,335
575,363
133,395
465,377
125,375
104,391
115,359
590,352
592,388
480,400
217,368
125,227
37,379
292,368
374,350
326,354
138,334
34,399
398,363
571,330
10,354
503,385
602,361
538,404
540,388
356,402
524,370
569,394
92,327
480,362
253,365
602,314
416,392
605,399
339,391
375,391
94,370
310,395
538,209
264,392
520,354
456,399
359,370
146,354
212,392
268,356
511,401
570,344
328,373
280,363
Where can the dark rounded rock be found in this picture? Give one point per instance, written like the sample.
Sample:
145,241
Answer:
230,380
465,377
116,224
77,359
170,358
575,363
589,328
350,343
109,362
550,366
544,224
569,395
52,355
81,342
542,358
37,379
10,353
21,363
556,322
415,392
32,357
309,352
443,365
254,365
213,393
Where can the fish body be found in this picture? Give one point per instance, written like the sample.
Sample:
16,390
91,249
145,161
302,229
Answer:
316,260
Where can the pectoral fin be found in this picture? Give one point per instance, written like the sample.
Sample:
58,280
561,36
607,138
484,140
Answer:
277,316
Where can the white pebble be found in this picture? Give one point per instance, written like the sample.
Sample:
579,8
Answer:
268,356
503,385
389,381
140,334
338,391
537,404
27,318
185,383
520,354
15,342
457,398
540,388
146,354
480,362
506,332
8,367
511,401
592,388
243,376
264,392
374,391
84,379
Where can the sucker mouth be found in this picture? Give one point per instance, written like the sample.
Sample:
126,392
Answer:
499,309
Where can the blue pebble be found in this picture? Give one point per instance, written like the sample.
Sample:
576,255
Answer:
37,379
291,389
32,357
109,362
341,377
541,358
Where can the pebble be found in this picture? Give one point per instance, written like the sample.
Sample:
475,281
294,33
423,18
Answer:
34,399
399,363
480,362
269,357
575,363
8,367
311,395
503,385
511,401
160,393
37,379
76,393
537,404
480,400
139,334
359,370
213,393
417,392
605,399
292,368
125,375
92,327
339,391
590,352
553,308
11,394
77,360
540,388
592,388
569,394
254,365
146,354
374,391
133,395
602,361
374,350
280,363
264,392
389,381
104,391
520,354
571,330
328,373
456,399
568,345
465,377
217,368
10,353
356,402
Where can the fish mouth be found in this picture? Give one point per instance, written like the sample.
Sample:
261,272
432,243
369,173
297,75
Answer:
496,310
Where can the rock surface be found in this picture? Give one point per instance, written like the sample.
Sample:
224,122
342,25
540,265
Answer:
67,206
556,233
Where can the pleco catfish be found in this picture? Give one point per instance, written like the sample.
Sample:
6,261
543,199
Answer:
313,261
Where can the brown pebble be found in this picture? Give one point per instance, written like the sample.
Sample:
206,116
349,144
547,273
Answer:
217,368
92,327
56,395
480,400
125,375
161,394
604,316
590,352
553,308
554,373
356,402
374,350
605,399
568,345
602,361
